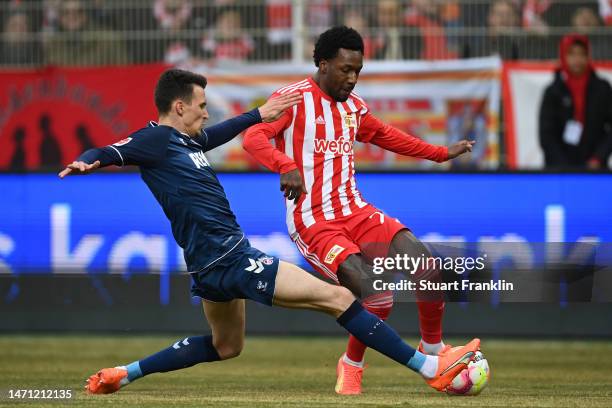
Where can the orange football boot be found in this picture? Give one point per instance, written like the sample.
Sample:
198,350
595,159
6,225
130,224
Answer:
106,381
451,362
349,378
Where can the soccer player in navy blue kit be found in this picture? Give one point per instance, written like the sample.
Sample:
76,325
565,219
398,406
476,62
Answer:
225,270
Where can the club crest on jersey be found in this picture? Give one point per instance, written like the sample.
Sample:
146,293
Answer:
266,260
122,142
340,146
333,253
350,121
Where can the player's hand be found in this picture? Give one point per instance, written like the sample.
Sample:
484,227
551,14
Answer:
292,185
274,107
79,167
459,148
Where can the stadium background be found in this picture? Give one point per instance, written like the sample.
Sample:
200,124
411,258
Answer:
95,254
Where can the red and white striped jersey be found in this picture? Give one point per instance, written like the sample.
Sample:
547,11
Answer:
317,137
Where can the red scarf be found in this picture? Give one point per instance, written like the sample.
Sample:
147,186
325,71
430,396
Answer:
577,84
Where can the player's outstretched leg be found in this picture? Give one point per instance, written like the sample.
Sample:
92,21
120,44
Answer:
226,320
296,288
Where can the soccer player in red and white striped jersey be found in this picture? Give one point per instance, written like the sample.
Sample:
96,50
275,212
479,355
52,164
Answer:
333,226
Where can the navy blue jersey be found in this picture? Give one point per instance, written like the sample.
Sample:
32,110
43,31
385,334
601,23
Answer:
175,169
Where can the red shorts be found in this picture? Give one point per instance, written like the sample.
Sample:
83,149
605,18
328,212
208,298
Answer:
325,245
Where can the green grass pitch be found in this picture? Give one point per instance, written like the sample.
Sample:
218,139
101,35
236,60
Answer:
300,372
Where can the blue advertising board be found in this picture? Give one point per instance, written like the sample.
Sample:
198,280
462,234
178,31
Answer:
111,222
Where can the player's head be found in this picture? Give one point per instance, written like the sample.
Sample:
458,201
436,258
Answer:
574,54
180,95
338,54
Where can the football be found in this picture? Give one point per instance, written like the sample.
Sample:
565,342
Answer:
473,379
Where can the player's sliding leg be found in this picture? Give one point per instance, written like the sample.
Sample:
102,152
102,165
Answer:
353,275
226,320
430,304
296,288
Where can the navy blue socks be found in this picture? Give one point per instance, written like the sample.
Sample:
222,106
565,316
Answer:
182,354
378,335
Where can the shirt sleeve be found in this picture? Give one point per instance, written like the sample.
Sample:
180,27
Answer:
257,143
146,147
373,130
105,155
225,131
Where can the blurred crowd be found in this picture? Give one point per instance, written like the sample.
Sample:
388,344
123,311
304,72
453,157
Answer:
98,32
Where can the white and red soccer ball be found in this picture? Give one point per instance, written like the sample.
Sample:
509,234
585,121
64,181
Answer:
473,379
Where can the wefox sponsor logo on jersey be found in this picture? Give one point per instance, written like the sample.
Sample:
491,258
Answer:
340,146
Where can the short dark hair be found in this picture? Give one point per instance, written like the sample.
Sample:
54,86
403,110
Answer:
176,84
332,40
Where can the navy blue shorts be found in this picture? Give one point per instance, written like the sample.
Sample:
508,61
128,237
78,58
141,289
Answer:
246,273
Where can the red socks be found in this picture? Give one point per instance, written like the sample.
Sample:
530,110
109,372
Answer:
430,321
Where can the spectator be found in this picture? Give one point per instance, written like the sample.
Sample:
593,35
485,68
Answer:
450,12
502,33
176,44
228,41
393,39
320,15
80,41
576,113
252,19
19,44
586,21
540,15
252,12
278,28
357,19
172,15
426,15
